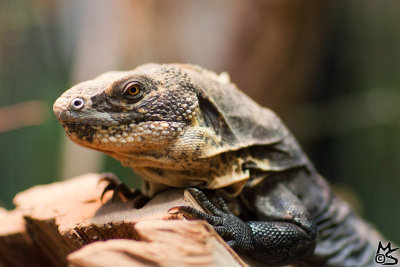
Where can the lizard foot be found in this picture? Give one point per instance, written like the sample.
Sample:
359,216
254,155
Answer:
235,232
121,192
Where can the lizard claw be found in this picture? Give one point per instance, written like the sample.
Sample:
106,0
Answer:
227,225
121,191
216,207
112,181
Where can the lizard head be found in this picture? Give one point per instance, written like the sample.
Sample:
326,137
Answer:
144,116
175,125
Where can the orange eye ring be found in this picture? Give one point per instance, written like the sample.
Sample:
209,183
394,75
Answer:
133,91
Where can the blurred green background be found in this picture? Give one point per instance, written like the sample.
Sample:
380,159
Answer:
330,69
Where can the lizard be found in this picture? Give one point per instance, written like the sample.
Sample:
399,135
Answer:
182,126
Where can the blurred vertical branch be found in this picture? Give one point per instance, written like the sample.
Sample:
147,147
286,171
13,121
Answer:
96,50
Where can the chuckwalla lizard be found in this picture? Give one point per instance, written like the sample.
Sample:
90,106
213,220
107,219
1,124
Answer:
183,126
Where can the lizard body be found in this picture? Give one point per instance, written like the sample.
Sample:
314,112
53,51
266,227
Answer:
183,126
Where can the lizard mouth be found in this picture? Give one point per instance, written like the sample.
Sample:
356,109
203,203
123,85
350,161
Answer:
124,136
103,131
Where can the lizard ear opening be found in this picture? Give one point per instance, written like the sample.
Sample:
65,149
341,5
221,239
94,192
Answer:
214,119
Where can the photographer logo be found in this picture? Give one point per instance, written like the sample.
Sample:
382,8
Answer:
383,254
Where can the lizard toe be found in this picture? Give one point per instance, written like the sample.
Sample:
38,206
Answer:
121,192
205,203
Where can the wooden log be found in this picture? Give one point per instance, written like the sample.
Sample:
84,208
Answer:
16,246
63,217
53,211
160,243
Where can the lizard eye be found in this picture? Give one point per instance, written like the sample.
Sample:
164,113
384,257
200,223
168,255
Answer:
133,91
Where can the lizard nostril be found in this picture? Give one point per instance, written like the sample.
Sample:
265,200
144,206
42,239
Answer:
77,103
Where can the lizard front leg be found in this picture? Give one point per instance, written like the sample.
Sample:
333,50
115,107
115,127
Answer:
285,237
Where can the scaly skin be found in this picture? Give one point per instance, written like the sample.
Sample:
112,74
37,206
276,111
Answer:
183,126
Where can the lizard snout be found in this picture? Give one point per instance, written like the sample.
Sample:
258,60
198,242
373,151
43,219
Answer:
78,110
63,107
59,109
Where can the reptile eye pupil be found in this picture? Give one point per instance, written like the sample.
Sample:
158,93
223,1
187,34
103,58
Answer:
133,91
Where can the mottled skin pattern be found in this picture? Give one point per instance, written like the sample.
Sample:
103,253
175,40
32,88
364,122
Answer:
183,126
